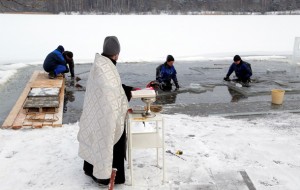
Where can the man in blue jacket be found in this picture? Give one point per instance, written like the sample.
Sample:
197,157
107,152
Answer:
55,63
165,73
242,70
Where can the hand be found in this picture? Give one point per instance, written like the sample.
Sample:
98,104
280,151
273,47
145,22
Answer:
246,84
226,79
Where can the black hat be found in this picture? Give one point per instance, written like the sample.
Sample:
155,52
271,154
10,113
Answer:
170,58
60,48
69,54
237,58
111,45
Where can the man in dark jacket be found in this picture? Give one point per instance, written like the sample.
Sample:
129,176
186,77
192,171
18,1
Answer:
165,73
242,70
68,56
55,63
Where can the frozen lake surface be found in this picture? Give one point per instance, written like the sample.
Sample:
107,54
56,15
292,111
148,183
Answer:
203,91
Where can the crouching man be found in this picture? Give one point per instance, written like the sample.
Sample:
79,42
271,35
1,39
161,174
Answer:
55,63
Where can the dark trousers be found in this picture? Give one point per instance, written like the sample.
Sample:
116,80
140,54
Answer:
167,86
119,154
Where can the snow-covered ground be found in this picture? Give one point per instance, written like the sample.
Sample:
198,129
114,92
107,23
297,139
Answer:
267,148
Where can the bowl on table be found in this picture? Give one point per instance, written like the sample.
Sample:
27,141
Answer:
155,108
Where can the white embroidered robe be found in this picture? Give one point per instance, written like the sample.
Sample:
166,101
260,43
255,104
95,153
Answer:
102,120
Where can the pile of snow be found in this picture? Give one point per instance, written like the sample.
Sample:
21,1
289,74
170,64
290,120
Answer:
9,70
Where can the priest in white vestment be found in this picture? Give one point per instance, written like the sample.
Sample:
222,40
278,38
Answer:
102,136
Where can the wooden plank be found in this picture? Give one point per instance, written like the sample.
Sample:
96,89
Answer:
59,114
27,122
42,81
48,120
18,123
54,83
38,120
19,104
41,102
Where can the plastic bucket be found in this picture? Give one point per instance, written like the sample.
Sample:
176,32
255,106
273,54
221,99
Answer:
277,96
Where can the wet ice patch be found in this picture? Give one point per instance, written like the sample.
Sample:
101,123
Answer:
197,88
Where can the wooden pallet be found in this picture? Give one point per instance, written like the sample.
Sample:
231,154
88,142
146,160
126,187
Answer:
42,104
20,117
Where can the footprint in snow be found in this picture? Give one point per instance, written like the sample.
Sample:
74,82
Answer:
11,154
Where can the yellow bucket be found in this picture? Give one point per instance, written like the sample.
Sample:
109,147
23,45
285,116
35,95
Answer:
277,96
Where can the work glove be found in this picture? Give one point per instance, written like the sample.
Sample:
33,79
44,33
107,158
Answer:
226,78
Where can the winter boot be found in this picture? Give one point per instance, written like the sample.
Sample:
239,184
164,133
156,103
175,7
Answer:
51,75
102,182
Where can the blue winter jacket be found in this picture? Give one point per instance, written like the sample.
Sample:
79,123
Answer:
242,70
164,73
53,59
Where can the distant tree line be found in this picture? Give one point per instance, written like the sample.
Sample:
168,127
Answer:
147,6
